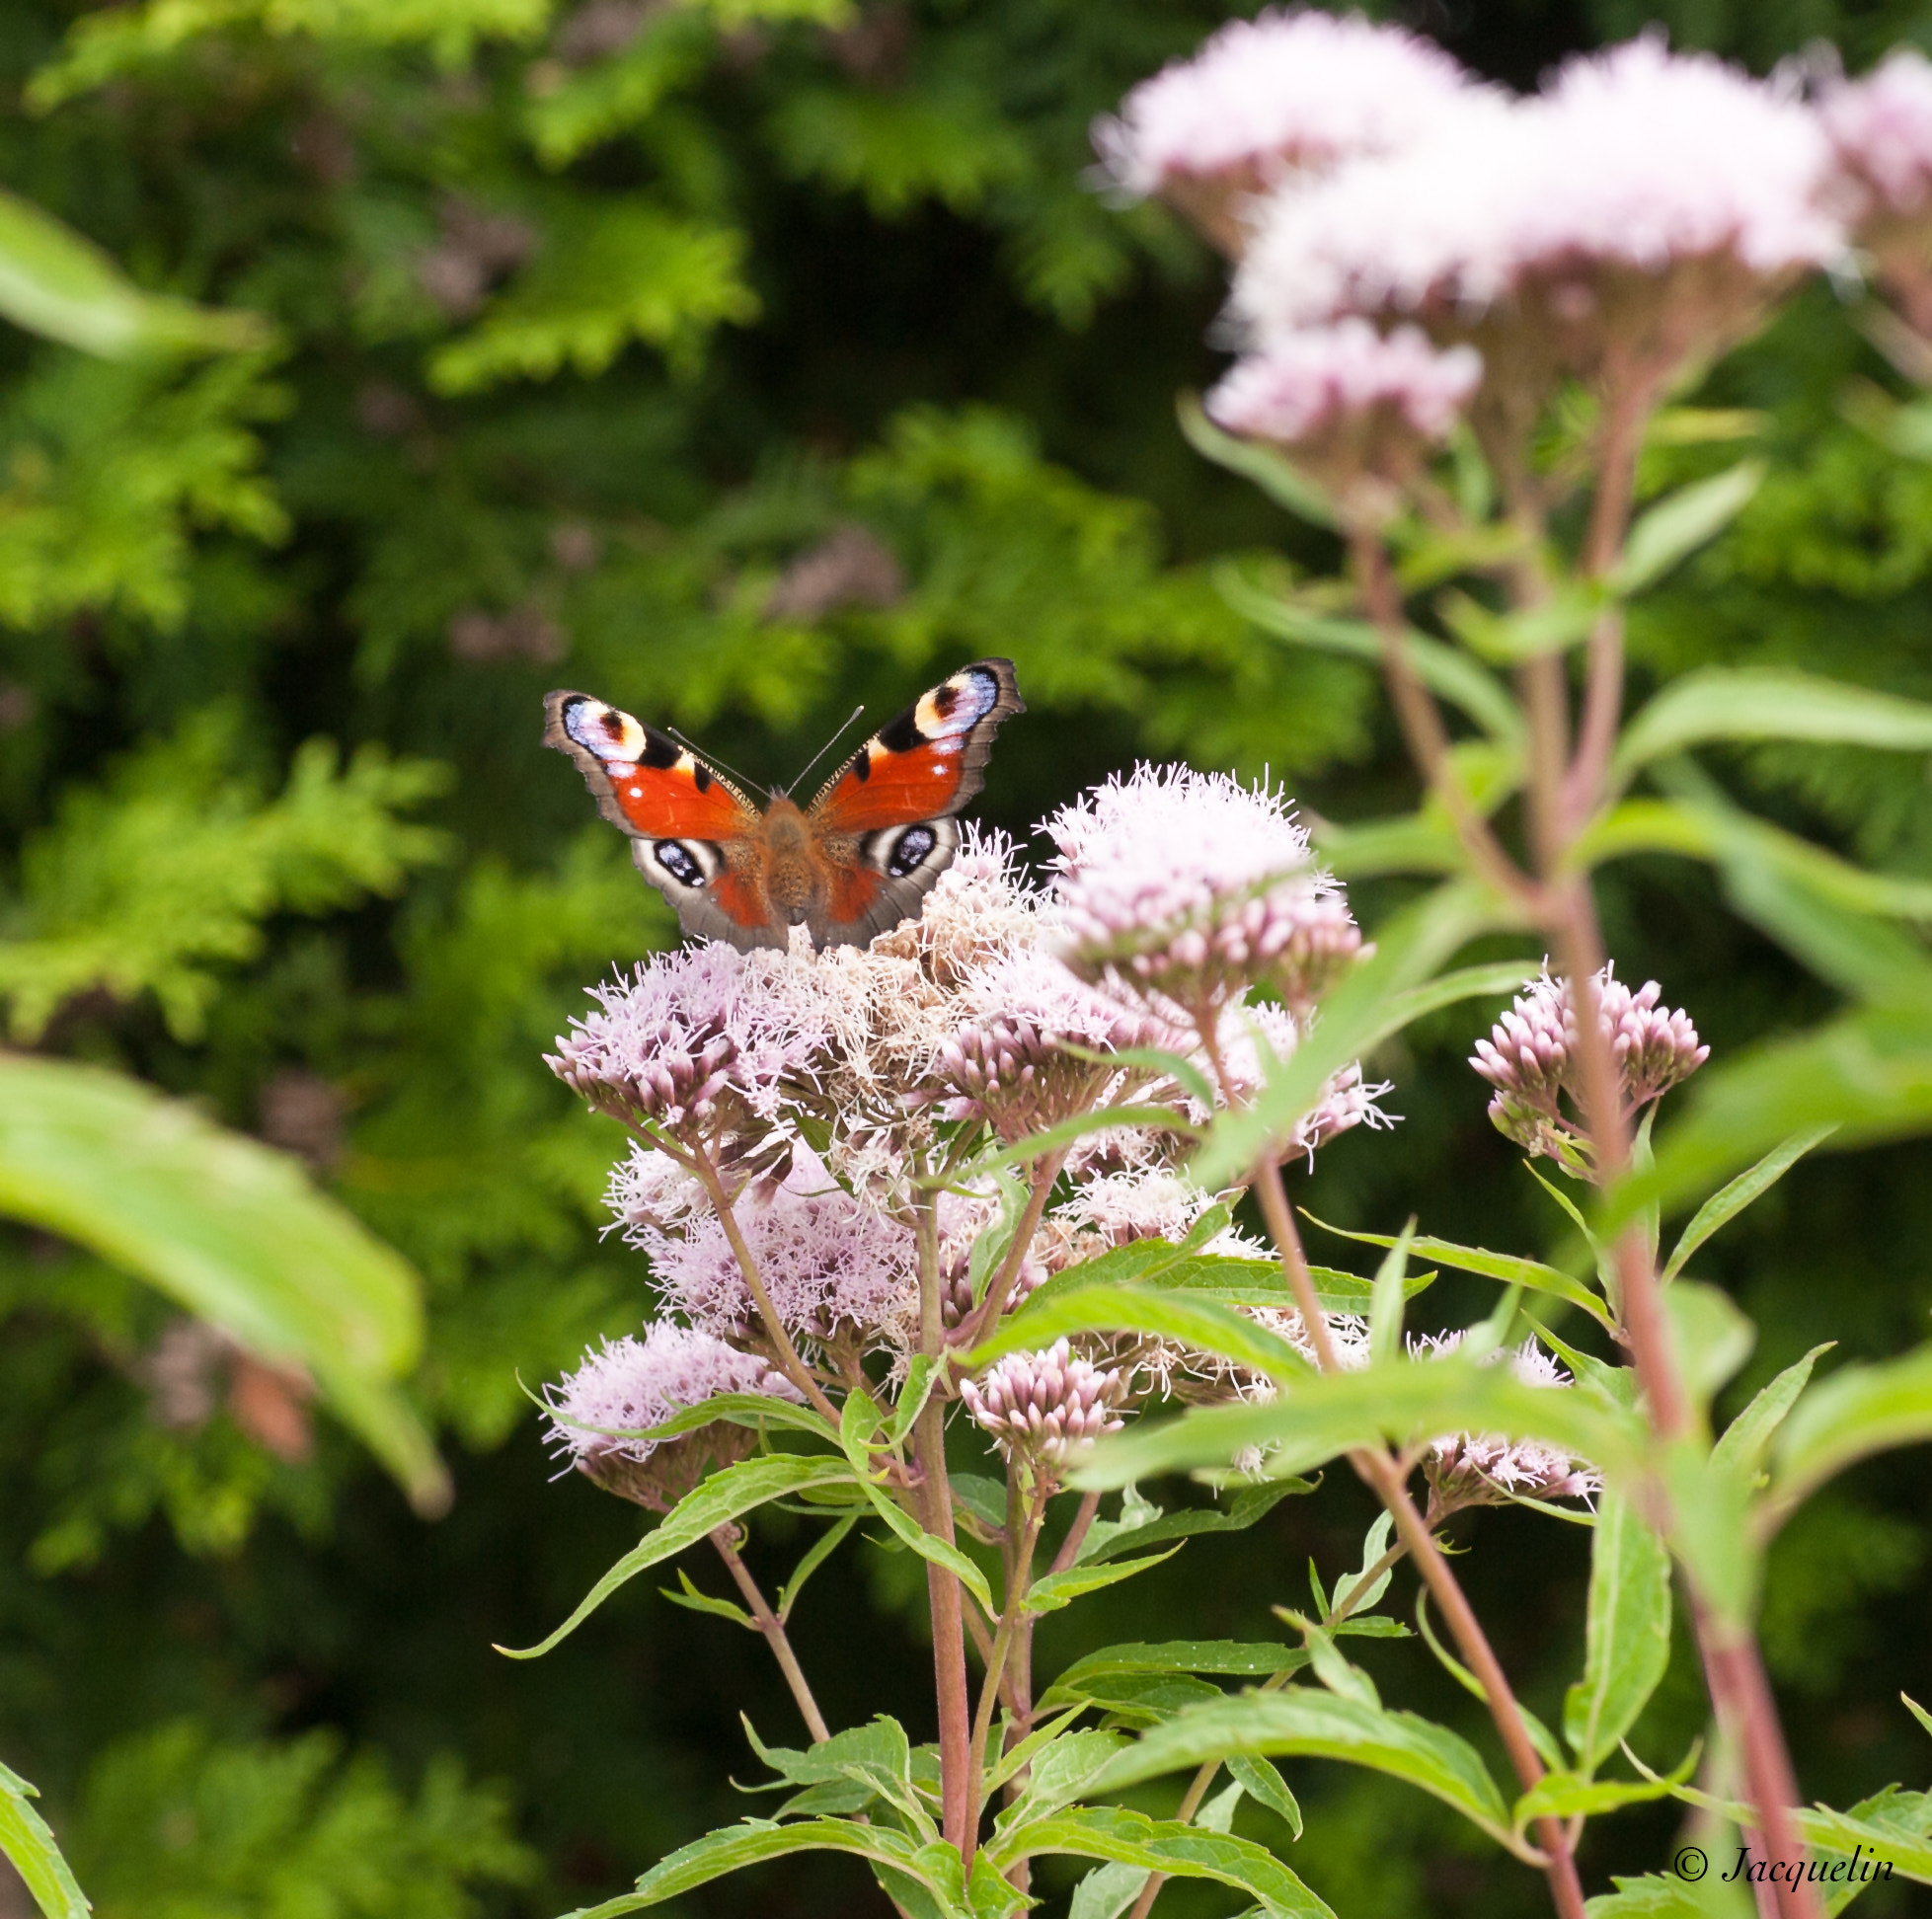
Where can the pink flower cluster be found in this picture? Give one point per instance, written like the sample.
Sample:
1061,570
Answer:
1289,92
1048,1405
1308,381
1531,1059
701,1037
629,1386
833,1265
1881,128
1191,886
1484,1469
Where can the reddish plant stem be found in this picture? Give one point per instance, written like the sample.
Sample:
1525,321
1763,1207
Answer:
1077,1534
933,1499
1383,1476
773,1629
986,1316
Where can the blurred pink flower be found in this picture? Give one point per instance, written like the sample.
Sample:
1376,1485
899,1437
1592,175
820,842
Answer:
1881,128
1304,383
1645,205
1263,98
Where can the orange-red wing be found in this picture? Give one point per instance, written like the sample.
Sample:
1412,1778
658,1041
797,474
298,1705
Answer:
928,763
643,781
738,897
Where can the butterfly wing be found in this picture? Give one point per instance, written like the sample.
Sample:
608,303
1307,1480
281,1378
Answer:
885,822
693,833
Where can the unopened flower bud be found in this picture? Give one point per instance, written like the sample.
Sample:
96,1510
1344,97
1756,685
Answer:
1046,1405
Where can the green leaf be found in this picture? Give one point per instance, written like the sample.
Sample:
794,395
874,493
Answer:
1728,1202
921,1376
54,284
231,1231
1374,1547
1856,1411
1385,1303
1058,1589
1107,1892
1336,1413
719,1500
1321,1724
1061,1774
1711,1334
1554,625
1249,1505
1260,1779
1111,1832
1507,1266
1051,1139
734,1848
1676,526
827,1542
859,1423
26,1839
1652,1896
1266,468
877,1756
1380,997
1563,1795
1767,703
1711,1532
693,1600
1449,673
1627,1638
1917,1711
1234,1659
1138,1309
1747,1438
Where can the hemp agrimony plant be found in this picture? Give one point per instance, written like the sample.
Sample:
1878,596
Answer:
978,1179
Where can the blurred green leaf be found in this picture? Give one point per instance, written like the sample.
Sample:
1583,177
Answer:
1627,1639
55,284
1676,526
1722,703
1848,1415
1744,1444
25,1840
230,1229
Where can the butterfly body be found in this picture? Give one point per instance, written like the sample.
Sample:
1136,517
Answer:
854,863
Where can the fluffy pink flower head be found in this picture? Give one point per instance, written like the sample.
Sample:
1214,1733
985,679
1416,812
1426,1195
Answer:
701,1038
961,1219
1247,1034
1484,1469
1192,886
1262,99
1008,1061
835,1267
1046,1405
629,1386
1531,1059
1634,216
1356,410
1881,128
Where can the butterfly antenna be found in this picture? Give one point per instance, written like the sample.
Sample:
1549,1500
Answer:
826,748
756,785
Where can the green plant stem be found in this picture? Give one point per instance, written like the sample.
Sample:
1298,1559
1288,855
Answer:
1011,1622
773,1629
1346,1604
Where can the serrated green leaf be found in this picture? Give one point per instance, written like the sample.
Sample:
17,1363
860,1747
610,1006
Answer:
27,1840
1321,1724
1730,1201
723,1497
1627,1637
1058,1589
1111,1832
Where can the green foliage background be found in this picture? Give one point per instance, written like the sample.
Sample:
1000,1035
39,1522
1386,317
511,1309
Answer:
589,327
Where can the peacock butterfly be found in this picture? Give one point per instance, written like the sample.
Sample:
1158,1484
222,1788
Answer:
857,860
